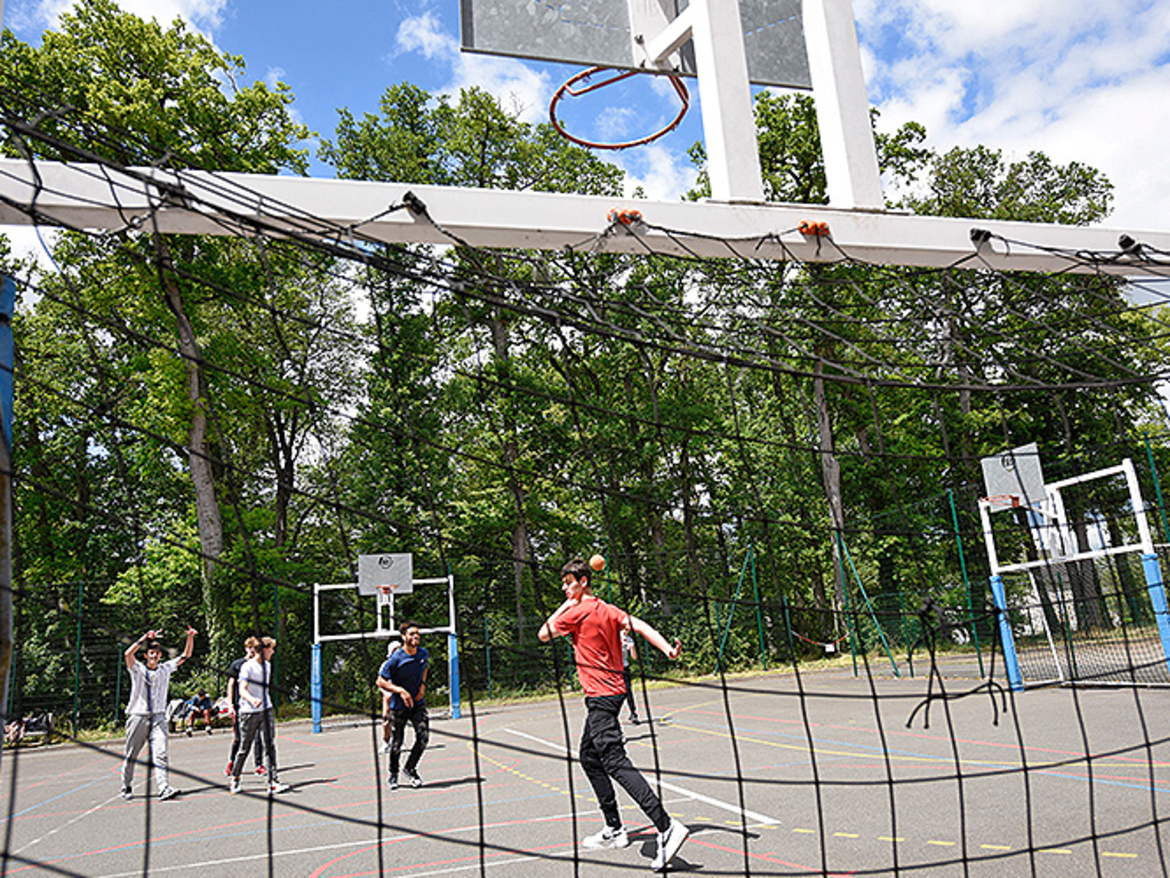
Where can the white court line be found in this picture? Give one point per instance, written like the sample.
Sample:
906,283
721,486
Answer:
67,824
369,842
691,794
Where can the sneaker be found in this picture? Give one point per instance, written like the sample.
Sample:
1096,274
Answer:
634,719
412,775
234,786
227,769
607,838
261,770
209,730
385,748
188,731
669,841
167,792
276,788
392,781
126,793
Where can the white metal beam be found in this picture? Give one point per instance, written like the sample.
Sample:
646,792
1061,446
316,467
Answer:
196,202
834,61
725,100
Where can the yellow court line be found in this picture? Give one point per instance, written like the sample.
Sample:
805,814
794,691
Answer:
821,751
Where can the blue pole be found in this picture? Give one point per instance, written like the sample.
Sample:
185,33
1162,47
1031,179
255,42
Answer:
1153,573
1010,659
453,673
315,688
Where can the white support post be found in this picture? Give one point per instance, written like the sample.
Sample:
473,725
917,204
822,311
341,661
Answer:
729,123
834,62
1139,506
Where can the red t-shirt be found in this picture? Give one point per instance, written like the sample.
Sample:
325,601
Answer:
595,629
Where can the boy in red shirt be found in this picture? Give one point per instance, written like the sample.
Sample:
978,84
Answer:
595,629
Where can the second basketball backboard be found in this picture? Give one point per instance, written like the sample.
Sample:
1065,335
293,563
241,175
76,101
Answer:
607,33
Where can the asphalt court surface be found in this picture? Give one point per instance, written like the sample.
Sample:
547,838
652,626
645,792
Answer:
774,777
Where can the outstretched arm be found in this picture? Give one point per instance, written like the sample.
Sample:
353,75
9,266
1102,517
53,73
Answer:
670,650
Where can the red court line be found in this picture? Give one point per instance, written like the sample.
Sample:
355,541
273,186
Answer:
767,858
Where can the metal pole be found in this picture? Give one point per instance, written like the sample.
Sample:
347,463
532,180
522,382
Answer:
7,622
1010,659
452,650
77,660
274,687
759,610
1157,486
1158,598
966,581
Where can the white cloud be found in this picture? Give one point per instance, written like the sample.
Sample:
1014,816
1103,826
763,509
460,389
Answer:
518,87
201,14
662,174
1079,81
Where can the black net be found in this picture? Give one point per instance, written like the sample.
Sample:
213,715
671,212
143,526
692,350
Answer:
780,462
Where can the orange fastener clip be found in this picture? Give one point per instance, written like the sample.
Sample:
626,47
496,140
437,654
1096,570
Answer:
814,230
625,217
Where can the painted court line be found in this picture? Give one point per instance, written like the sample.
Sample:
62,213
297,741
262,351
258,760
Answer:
690,794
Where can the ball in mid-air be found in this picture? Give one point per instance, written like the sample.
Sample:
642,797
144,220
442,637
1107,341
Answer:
597,563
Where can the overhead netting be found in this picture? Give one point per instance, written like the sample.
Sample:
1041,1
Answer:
779,461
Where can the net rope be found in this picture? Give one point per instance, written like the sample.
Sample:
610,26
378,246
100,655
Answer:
881,338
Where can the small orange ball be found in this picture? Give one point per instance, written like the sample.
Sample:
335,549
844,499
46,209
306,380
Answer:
597,563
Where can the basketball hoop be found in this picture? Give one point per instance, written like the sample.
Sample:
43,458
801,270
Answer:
570,88
385,595
997,502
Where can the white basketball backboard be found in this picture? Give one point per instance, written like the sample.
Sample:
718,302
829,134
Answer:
393,571
1016,473
609,33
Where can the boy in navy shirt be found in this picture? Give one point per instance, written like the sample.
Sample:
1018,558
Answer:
404,676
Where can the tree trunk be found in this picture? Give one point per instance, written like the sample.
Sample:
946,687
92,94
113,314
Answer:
201,462
511,453
831,476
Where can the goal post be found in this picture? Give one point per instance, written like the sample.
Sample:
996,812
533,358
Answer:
1042,508
385,627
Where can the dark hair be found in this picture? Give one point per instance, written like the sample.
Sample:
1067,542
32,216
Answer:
577,568
153,644
407,625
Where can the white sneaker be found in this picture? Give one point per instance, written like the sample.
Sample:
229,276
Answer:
167,792
126,793
234,786
276,788
669,841
385,748
607,838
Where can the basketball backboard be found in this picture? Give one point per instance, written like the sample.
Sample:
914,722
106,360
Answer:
393,571
606,33
1015,473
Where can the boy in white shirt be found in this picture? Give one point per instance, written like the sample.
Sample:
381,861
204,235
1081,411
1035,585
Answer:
146,712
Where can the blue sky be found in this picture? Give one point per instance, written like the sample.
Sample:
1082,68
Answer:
1079,80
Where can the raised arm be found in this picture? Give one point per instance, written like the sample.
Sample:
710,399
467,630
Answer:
671,651
190,647
131,653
